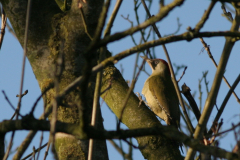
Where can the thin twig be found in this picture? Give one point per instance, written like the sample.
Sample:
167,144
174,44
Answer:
25,93
101,22
220,111
97,36
84,24
41,140
182,74
177,30
118,148
200,93
22,75
142,32
226,131
112,18
22,148
33,153
96,102
24,52
227,14
204,17
11,30
50,86
46,152
215,64
36,150
10,104
130,151
129,143
163,13
142,39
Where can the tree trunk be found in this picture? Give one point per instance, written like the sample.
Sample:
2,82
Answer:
52,32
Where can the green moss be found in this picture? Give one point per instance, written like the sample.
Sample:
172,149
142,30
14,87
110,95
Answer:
55,39
68,149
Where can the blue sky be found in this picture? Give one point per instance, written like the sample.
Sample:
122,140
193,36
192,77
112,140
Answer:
183,52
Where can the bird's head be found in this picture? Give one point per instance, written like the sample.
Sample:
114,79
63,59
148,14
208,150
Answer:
158,66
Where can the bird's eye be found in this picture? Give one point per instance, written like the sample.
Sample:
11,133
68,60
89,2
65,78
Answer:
156,62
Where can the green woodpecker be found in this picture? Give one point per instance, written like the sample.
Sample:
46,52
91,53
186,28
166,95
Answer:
160,93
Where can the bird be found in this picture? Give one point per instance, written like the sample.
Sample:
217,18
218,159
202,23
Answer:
160,93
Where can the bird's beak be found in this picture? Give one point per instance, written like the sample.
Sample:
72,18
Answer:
149,61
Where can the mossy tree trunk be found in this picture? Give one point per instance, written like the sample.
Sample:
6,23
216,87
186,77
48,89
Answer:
52,32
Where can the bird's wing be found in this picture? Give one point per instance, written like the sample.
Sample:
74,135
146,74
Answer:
164,92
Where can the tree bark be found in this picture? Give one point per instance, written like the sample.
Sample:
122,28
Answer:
52,32
135,116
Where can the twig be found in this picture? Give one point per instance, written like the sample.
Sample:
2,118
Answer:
84,23
142,32
177,30
142,39
186,92
205,81
140,99
51,85
112,18
46,152
129,143
25,52
101,23
227,14
163,13
25,93
130,150
11,30
220,111
206,85
10,104
22,148
200,93
204,17
36,150
96,102
33,153
41,140
215,130
118,148
22,75
97,36
215,64
182,74
227,130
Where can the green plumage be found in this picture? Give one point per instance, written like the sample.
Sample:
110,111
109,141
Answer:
166,98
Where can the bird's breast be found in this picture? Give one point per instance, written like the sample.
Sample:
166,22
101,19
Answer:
151,100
